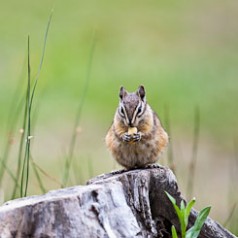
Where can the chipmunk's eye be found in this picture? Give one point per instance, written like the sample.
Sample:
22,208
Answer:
139,110
122,111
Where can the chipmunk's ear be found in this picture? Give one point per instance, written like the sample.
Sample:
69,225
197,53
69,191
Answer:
122,93
141,92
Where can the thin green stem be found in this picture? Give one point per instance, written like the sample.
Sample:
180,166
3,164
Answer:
41,185
70,155
42,58
9,172
171,162
25,168
29,102
46,174
230,216
13,117
193,163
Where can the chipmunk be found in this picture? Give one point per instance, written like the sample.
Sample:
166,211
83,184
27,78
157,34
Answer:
136,137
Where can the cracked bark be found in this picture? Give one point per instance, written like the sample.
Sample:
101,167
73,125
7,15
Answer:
119,204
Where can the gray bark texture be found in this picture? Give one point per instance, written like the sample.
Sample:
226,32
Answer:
119,204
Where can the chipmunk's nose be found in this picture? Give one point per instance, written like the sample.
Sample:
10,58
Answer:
130,123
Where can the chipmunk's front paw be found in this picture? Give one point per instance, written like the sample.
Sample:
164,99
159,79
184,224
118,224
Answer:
126,137
136,137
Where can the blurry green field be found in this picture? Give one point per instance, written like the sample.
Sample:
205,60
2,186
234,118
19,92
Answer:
185,53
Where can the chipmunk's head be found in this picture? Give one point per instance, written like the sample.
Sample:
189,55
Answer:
132,106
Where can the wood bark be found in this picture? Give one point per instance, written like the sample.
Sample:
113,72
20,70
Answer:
119,204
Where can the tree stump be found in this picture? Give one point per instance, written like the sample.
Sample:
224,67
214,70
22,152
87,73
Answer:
119,204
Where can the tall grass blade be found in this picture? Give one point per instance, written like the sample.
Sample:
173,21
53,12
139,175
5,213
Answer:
25,168
13,118
28,134
20,152
42,57
70,154
231,220
41,185
9,172
230,216
171,162
22,137
46,174
193,162
29,101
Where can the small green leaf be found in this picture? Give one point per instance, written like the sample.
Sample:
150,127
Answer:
174,233
189,207
183,218
182,224
179,212
188,210
194,231
173,201
170,198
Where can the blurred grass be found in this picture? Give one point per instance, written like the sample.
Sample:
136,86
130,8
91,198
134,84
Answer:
178,50
185,53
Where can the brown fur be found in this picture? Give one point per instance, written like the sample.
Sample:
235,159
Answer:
154,138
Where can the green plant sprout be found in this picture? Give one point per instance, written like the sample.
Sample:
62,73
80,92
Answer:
183,213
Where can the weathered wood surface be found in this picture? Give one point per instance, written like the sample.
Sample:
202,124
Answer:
123,204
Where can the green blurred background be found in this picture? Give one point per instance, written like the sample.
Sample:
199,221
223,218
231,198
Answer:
185,53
